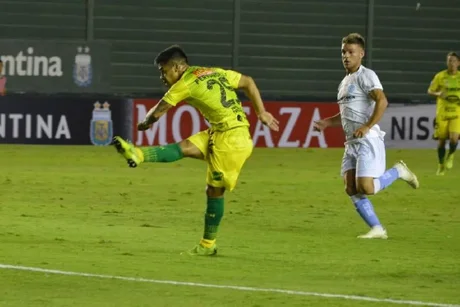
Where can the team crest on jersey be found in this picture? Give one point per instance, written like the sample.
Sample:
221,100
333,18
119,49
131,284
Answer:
101,127
82,69
351,88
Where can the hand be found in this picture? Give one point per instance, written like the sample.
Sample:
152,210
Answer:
143,125
267,119
320,125
361,131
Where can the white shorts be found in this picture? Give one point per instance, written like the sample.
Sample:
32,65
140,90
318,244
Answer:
366,156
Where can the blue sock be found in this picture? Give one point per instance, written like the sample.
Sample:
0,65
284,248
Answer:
385,180
365,209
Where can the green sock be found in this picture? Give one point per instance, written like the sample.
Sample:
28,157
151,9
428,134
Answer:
452,148
167,153
212,218
441,154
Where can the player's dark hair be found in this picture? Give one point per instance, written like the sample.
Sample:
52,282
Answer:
455,54
174,52
354,38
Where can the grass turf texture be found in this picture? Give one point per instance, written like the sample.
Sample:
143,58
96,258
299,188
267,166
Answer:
288,225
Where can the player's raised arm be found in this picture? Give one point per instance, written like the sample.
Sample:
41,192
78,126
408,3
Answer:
172,64
249,87
177,93
154,114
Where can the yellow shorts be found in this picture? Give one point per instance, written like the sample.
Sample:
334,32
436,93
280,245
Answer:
445,125
225,152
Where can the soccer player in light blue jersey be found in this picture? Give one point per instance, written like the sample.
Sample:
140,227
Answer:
362,104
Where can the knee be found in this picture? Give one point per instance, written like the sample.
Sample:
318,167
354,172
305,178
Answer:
350,190
190,150
214,192
366,188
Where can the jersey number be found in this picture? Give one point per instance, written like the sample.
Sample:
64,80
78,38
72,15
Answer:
223,86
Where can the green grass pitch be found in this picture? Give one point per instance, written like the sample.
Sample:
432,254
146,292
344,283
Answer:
288,225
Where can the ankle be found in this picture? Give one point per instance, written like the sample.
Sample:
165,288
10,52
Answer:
207,243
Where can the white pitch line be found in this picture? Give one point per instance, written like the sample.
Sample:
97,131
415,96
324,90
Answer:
238,288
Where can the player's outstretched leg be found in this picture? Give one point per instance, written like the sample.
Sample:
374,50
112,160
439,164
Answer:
398,171
212,218
136,155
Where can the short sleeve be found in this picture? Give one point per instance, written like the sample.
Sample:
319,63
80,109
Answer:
232,76
369,81
177,93
434,85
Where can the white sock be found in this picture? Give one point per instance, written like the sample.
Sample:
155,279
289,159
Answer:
377,185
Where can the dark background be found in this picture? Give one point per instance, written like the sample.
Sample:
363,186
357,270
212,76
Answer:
291,47
77,112
66,51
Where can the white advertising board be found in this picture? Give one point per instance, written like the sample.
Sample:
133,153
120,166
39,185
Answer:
409,126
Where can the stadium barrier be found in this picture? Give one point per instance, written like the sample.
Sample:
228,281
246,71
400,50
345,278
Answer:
409,126
296,125
94,120
63,120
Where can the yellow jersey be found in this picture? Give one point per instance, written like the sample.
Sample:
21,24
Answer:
450,84
213,92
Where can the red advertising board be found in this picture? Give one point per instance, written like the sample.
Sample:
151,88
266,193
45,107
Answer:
296,125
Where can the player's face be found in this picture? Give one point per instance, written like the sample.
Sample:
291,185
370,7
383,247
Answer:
169,73
352,55
452,63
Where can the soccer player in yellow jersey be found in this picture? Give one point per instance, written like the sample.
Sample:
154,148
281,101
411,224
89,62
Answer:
446,88
225,146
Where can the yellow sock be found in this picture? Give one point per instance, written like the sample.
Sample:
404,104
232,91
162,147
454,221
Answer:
207,243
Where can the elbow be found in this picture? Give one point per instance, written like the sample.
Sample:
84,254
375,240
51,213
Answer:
385,103
382,104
